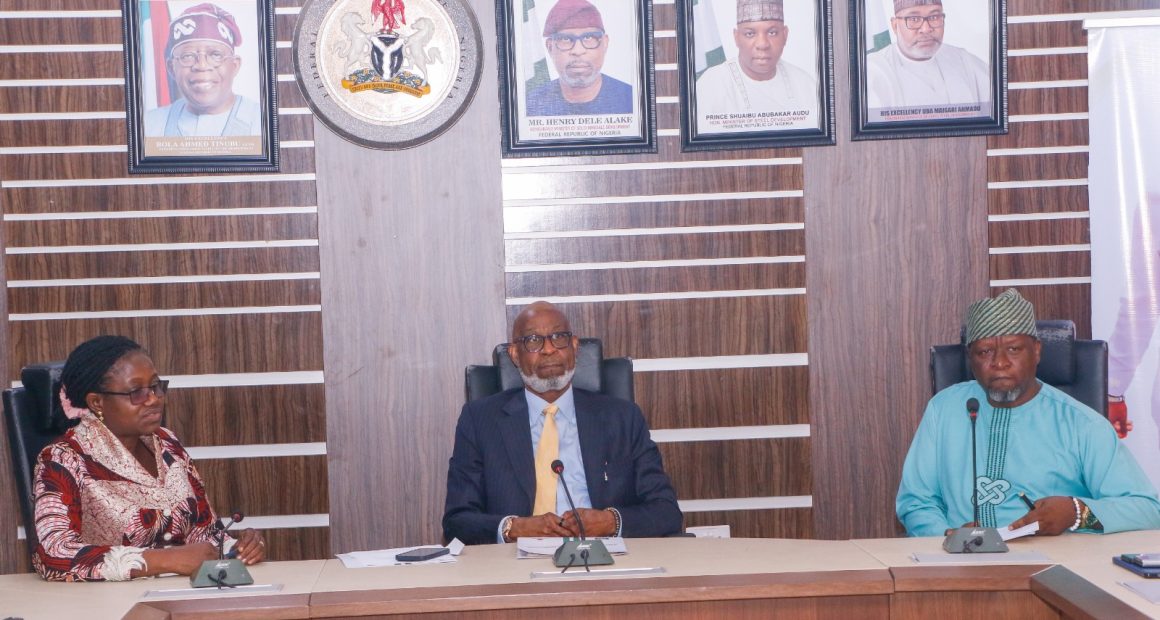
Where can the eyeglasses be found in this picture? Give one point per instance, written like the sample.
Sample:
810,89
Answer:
588,40
141,394
213,58
914,22
534,343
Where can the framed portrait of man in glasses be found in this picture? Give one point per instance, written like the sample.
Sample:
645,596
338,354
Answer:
928,68
200,85
576,77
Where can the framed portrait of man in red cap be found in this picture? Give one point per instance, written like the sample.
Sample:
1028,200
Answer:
576,77
200,85
928,68
755,73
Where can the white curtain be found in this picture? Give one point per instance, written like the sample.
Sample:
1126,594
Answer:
1124,203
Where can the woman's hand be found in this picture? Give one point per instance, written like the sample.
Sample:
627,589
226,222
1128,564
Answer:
250,548
183,559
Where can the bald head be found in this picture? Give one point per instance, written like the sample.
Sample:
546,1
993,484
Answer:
544,350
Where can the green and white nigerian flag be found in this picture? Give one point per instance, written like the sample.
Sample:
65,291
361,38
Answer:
878,25
534,59
706,40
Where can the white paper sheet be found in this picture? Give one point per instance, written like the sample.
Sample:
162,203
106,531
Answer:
386,557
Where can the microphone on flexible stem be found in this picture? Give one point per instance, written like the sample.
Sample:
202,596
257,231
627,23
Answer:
593,552
973,411
974,539
227,571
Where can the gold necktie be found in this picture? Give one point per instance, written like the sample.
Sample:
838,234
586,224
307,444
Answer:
546,452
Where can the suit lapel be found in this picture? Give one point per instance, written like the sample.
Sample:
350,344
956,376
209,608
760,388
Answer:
591,444
517,439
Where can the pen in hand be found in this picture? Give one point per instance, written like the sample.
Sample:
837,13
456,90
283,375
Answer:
1026,500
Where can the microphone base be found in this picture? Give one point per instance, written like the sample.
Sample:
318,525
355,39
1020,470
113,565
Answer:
221,573
569,553
974,540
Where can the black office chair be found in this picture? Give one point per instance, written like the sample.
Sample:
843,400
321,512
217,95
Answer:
612,376
1077,367
34,419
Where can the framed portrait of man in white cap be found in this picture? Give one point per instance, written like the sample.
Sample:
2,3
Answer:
576,77
928,68
755,73
200,85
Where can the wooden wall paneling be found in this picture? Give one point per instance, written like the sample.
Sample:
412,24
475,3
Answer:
13,556
267,486
1047,68
297,543
1071,100
98,298
33,234
1066,132
691,327
652,280
1042,35
1075,264
707,212
739,468
1067,231
1040,167
657,247
187,345
278,192
1037,200
546,185
894,257
1060,301
65,180
248,414
1050,7
413,286
723,397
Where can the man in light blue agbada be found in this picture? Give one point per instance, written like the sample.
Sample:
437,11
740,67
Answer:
1032,439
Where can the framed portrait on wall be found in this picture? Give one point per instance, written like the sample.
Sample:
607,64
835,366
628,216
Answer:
928,68
755,73
576,77
200,85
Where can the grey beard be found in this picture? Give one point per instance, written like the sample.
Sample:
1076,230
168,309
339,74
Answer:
540,385
1004,396
579,82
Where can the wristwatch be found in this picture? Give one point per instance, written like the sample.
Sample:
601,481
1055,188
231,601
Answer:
507,529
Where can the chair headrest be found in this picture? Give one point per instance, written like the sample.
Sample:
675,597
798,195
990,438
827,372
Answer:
587,375
42,383
1057,357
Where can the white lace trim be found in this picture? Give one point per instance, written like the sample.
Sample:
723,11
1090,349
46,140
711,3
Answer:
120,562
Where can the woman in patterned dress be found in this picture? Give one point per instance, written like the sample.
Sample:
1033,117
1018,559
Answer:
116,496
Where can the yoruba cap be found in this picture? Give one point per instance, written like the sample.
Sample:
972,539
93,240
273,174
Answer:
204,22
906,4
572,14
760,10
1006,315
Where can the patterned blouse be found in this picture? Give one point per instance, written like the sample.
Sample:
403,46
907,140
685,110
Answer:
97,508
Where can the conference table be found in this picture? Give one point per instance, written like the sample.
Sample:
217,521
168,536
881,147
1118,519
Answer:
701,578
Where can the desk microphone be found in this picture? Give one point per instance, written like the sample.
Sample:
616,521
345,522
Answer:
592,552
223,572
974,539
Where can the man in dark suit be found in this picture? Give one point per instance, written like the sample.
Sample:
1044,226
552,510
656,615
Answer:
499,482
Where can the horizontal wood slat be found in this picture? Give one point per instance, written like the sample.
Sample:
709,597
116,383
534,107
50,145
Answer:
303,543
1065,199
1038,167
744,468
266,486
1046,265
162,263
1042,134
548,185
1045,35
693,327
658,247
1047,100
723,397
1051,7
61,99
194,345
1039,232
1047,68
113,131
654,214
658,280
27,300
223,228
669,150
160,197
251,414
76,166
